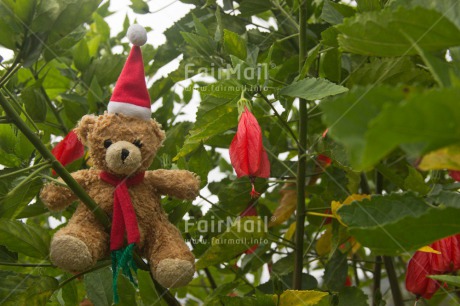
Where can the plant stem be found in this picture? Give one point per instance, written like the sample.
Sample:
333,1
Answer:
387,260
54,110
98,266
376,293
211,280
55,164
11,71
393,279
24,170
301,168
283,122
164,293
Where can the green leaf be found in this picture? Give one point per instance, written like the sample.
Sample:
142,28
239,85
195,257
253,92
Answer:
336,271
139,7
34,102
14,15
70,294
449,8
414,181
399,223
312,89
27,239
430,120
386,32
14,198
371,122
213,122
81,56
234,44
126,291
200,28
368,5
99,286
438,68
7,256
200,162
300,297
334,13
147,289
25,289
204,45
242,234
253,7
392,71
448,279
59,18
352,296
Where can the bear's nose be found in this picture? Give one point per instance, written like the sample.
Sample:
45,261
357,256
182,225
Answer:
124,154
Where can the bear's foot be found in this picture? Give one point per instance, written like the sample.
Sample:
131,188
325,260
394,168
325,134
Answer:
70,253
173,272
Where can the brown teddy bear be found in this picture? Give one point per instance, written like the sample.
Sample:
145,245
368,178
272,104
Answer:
122,143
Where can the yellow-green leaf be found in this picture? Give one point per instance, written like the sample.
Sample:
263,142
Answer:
300,297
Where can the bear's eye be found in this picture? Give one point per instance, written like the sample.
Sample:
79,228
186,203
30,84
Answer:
107,143
137,143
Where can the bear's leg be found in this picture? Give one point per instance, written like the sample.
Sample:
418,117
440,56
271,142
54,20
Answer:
77,246
171,261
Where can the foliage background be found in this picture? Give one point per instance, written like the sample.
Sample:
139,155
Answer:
382,76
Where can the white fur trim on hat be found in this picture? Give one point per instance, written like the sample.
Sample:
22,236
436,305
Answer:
137,35
129,109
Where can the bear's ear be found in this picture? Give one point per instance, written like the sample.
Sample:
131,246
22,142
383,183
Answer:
84,127
158,131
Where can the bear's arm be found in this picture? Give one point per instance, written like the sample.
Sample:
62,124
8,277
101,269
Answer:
181,184
57,197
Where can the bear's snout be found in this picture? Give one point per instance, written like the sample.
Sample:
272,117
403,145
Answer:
123,157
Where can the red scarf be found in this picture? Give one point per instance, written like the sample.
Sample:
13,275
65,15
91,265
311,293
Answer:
124,217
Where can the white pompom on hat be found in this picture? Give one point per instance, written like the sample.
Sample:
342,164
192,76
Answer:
130,96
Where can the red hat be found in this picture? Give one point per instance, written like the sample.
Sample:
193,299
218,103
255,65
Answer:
130,96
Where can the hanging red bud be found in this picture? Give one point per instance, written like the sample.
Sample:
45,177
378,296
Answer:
69,149
247,153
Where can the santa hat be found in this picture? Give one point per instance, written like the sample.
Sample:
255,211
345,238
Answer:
130,96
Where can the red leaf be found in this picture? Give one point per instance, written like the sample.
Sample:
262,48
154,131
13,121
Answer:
420,265
69,149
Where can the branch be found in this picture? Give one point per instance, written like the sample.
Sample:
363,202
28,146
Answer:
302,165
283,122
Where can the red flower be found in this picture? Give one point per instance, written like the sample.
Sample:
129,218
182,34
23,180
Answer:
348,281
251,211
449,259
69,149
324,161
424,263
420,265
455,175
247,152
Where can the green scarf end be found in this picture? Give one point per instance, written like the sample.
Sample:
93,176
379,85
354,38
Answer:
122,259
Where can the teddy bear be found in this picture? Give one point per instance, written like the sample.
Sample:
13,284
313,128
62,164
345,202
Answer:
122,144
